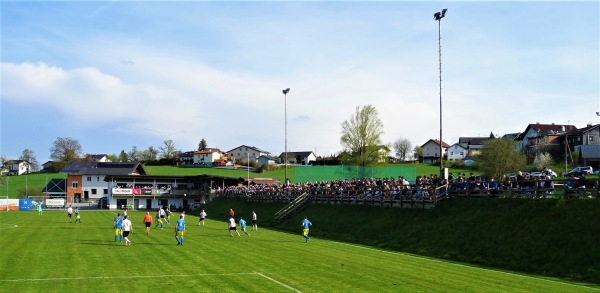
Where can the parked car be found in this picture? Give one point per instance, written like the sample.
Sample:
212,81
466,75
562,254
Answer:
580,171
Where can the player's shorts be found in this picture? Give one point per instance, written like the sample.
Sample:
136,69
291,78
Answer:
233,228
162,216
159,221
253,221
118,231
125,233
305,232
70,215
78,217
201,219
179,233
148,224
243,229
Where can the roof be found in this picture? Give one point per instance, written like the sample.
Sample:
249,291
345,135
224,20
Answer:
472,140
511,135
293,154
104,168
445,145
590,151
581,131
207,151
265,181
96,157
458,145
251,147
546,129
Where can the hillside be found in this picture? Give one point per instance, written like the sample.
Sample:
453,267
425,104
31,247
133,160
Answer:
546,237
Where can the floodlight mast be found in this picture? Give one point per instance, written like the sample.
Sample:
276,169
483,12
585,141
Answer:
438,17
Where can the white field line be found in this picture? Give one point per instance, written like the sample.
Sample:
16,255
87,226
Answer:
7,226
275,281
467,266
129,277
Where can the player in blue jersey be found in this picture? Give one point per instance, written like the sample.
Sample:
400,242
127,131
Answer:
243,225
179,230
77,216
158,221
306,224
118,224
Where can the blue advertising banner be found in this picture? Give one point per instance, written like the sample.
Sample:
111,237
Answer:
25,204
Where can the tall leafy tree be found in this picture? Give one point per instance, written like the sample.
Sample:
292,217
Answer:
499,157
202,145
417,152
402,146
29,156
65,150
168,150
361,134
123,156
134,155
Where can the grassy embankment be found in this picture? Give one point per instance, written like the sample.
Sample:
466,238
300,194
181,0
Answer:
547,237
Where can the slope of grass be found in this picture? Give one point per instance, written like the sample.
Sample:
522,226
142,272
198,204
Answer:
547,237
48,254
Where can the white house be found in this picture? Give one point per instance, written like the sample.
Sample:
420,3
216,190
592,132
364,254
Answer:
242,153
17,167
456,152
431,150
207,157
303,158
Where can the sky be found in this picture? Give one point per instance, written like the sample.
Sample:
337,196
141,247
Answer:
114,75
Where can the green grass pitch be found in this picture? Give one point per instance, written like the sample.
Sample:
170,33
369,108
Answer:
48,254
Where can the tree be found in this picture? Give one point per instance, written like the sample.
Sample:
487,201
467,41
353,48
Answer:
149,154
65,149
112,158
542,160
123,156
418,153
168,150
361,134
134,155
498,157
402,146
202,145
29,156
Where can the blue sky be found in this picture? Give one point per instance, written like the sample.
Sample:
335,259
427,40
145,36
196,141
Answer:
114,75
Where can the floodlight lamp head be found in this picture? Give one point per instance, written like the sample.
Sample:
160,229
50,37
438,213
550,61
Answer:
444,12
285,91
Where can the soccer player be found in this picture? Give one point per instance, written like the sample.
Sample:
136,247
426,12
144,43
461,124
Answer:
77,215
202,217
231,213
306,223
168,215
232,227
180,230
161,212
243,226
118,224
70,213
158,220
182,215
127,228
254,226
39,206
148,222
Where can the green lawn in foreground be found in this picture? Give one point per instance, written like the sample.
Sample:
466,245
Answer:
48,254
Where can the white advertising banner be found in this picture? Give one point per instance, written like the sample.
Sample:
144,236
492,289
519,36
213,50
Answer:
122,191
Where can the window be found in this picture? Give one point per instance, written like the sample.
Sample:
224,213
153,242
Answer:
89,179
590,138
98,179
75,184
451,153
462,153
105,191
94,191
